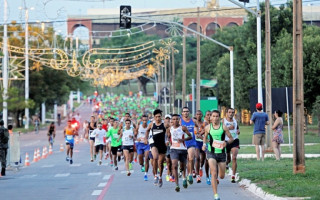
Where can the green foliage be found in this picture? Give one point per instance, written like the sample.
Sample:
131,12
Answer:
15,100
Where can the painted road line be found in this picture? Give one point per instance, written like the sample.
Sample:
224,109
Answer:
105,189
94,174
76,165
47,166
29,176
124,172
62,175
104,164
96,192
102,184
106,177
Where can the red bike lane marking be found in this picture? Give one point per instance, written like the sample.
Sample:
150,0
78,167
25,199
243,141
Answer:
106,188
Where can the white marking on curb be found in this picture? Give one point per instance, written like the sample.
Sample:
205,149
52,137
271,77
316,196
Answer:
102,184
62,175
47,166
94,174
76,165
106,177
96,192
29,176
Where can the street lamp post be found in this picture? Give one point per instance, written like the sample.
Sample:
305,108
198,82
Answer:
5,65
26,62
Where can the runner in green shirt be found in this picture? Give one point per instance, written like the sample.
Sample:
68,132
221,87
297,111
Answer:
116,150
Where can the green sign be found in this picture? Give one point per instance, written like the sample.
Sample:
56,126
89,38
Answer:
208,83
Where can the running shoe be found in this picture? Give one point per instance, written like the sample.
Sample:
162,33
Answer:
116,168
194,174
156,181
130,166
71,161
111,163
208,181
143,169
172,179
100,162
128,173
167,178
233,179
190,180
160,182
198,179
200,172
67,158
180,174
184,183
177,188
91,160
145,178
216,197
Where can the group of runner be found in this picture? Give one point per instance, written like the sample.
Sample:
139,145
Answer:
185,144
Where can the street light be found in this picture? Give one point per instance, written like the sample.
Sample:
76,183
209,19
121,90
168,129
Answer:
26,9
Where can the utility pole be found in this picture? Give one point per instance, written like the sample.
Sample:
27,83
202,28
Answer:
198,62
173,80
298,98
184,67
5,65
268,74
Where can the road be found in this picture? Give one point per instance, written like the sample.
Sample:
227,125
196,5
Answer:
54,178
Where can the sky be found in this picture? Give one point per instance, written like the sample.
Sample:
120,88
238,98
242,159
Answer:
58,10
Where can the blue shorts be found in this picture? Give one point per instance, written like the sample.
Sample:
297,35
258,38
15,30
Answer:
199,145
70,142
141,148
191,143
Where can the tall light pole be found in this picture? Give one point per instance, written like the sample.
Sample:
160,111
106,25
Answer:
5,65
26,55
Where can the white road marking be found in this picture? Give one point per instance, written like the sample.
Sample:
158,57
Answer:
47,166
29,176
94,174
76,165
31,143
106,177
96,192
62,175
104,164
102,184
124,172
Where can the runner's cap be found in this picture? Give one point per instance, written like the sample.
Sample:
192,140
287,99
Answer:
167,116
259,106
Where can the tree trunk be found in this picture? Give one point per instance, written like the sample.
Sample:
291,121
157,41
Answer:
143,81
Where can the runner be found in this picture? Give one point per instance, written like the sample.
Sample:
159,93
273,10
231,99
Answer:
107,147
99,135
157,144
91,127
127,135
216,153
169,176
233,147
51,133
191,144
206,164
200,155
178,150
142,148
69,134
116,150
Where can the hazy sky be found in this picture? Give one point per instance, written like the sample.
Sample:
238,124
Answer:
58,10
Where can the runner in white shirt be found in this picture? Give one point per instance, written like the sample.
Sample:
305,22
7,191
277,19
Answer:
99,135
178,149
127,135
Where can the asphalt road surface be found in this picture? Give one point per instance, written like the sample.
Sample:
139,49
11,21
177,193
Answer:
54,178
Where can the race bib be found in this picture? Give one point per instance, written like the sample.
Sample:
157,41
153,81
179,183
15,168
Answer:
115,136
175,143
217,144
69,137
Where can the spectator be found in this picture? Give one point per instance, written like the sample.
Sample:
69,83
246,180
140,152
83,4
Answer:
4,138
259,119
277,134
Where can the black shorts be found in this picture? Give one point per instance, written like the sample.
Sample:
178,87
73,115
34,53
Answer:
234,144
162,148
178,154
92,138
219,157
128,147
168,152
99,147
115,150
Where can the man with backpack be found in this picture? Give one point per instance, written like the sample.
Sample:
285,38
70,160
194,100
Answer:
4,138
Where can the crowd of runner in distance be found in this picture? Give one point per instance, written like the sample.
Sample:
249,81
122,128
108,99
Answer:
135,131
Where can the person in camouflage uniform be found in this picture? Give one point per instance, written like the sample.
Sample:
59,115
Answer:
4,138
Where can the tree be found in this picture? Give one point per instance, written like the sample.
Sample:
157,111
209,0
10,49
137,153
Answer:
316,111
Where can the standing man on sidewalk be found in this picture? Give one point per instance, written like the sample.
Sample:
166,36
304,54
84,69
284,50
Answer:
4,138
260,119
